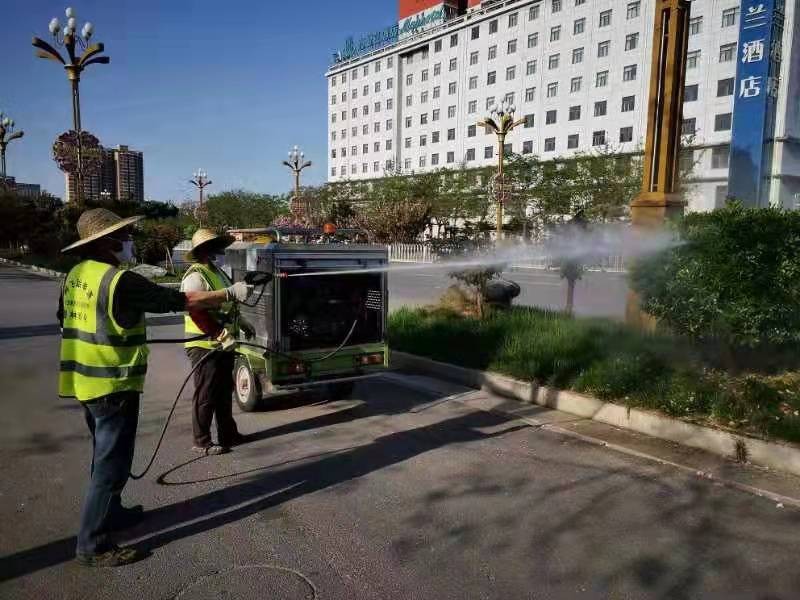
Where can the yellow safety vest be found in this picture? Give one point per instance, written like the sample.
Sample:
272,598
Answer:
98,355
226,314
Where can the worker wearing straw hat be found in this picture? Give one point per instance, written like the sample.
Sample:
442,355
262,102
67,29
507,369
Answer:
103,365
213,379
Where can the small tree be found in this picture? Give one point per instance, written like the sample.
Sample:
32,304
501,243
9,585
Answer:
573,264
476,280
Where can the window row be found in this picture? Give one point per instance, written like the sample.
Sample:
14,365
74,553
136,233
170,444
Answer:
376,128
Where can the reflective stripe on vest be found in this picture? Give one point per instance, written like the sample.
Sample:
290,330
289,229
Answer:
226,315
98,355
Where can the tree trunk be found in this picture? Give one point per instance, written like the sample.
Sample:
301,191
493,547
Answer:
570,296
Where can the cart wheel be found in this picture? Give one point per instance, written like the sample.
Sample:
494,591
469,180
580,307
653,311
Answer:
247,389
341,391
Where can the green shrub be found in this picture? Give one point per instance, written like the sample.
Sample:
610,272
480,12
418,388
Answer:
735,278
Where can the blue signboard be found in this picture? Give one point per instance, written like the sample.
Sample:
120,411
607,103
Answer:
755,98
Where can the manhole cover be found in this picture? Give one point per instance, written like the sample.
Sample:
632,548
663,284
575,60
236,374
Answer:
251,582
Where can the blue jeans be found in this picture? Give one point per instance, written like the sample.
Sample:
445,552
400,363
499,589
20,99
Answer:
112,421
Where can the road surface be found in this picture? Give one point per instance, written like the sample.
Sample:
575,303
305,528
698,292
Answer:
596,294
402,491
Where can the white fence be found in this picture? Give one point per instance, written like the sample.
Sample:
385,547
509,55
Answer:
422,253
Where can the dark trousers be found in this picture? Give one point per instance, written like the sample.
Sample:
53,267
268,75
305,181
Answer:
112,420
213,397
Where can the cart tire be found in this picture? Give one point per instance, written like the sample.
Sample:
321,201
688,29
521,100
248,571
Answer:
341,391
246,387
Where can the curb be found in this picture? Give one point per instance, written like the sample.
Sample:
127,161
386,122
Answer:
33,268
774,455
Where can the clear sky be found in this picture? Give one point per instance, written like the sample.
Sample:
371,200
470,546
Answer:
226,86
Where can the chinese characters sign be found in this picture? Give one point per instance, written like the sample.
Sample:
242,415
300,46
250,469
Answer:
758,67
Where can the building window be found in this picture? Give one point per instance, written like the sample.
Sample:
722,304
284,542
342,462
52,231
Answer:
578,26
530,67
492,52
434,160
376,147
365,91
529,121
389,83
437,91
551,117
333,99
424,74
533,13
491,77
602,49
493,26
377,107
628,103
527,147
451,112
451,157
631,41
722,122
407,164
473,82
365,129
354,113
389,62
511,73
451,134
423,140
453,64
720,157
389,103
555,6
552,62
572,141
470,155
423,119
365,149
423,97
729,17
727,52
512,47
476,33
437,46
550,144
633,10
407,142
580,2
575,85
695,25
512,20
377,66
533,40
552,89
435,137
472,107
530,93
599,138
376,128
605,18
451,88
488,151
333,117
555,33
353,150
574,113
509,98
625,134
437,69
577,56
692,59
409,100
629,73
600,108
690,93
388,124
454,40
471,130
725,87
473,58
333,171
489,102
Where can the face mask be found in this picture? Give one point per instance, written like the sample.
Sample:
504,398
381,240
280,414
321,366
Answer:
125,255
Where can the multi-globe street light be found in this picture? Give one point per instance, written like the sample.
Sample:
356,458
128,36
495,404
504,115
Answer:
67,37
297,163
501,122
7,134
200,181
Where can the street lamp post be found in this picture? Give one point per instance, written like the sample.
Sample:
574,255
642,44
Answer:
297,163
105,195
501,122
67,38
7,134
200,181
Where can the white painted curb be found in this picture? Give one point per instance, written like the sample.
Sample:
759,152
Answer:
775,455
33,268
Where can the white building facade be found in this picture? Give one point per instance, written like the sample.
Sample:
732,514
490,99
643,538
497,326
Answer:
578,72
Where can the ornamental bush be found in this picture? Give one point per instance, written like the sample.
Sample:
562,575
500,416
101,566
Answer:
734,279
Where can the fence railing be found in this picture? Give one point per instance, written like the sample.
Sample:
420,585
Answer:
422,253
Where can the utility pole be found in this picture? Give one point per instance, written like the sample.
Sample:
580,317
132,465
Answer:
658,202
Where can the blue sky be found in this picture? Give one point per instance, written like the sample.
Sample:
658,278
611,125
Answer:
226,86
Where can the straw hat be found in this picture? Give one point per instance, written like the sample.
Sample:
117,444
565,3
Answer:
99,222
204,237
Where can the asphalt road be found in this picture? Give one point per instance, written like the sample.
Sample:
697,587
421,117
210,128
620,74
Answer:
596,294
403,491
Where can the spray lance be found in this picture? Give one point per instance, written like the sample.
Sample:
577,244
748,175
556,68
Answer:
256,279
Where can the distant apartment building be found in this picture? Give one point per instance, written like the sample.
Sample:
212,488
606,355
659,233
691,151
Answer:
121,178
578,71
27,190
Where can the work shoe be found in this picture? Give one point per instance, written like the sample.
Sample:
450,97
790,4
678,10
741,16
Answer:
114,557
125,518
211,450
